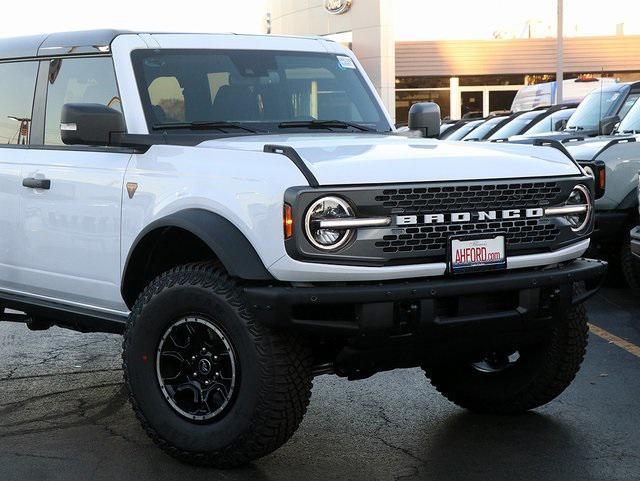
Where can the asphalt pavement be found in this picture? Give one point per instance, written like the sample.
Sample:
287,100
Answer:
64,416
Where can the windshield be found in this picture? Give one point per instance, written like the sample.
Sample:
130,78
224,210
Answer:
464,130
483,129
549,123
516,125
532,96
595,107
254,90
631,121
445,127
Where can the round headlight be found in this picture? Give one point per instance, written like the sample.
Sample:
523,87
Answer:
589,171
327,208
579,197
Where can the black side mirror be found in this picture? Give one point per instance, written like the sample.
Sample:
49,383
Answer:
89,124
608,124
425,117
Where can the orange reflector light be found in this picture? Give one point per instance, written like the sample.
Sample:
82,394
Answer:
602,179
287,221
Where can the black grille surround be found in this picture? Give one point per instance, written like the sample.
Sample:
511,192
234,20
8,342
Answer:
427,242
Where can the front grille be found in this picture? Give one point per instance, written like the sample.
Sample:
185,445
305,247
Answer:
470,197
433,239
427,242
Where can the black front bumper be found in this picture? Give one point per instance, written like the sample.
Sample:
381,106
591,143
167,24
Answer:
635,241
489,300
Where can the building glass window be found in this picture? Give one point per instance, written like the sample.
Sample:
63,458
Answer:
484,80
472,104
626,76
78,80
533,79
17,85
540,78
406,98
500,100
422,82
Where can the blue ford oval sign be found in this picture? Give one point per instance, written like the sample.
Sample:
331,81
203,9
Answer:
337,7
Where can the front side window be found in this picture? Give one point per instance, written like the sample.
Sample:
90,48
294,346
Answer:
463,131
549,124
256,89
515,126
17,85
480,132
78,80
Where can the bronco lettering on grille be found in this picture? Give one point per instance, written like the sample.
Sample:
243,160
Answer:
457,217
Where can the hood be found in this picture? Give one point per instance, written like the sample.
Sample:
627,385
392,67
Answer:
588,149
373,158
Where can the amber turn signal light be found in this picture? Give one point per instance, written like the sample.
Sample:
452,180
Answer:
287,221
602,179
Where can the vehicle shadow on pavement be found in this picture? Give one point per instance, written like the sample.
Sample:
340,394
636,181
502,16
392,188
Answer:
61,425
533,446
61,410
89,432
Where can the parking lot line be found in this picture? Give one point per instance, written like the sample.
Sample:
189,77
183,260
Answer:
618,341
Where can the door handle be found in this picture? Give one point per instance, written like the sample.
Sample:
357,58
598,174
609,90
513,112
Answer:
33,183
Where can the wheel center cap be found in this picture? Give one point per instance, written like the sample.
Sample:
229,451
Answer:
204,365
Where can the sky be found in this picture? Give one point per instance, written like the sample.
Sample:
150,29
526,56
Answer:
479,19
414,19
44,16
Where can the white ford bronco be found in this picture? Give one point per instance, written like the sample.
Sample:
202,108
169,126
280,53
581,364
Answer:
243,211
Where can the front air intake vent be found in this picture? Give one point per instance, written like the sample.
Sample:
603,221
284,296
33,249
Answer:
471,197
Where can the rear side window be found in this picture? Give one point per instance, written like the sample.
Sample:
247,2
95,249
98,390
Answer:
17,85
78,80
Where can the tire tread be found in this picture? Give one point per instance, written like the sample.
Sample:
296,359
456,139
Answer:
560,365
285,362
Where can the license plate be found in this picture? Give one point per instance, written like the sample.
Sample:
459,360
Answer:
477,253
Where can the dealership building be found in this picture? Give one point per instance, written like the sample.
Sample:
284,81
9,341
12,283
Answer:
460,75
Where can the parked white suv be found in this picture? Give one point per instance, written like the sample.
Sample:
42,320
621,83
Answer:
242,209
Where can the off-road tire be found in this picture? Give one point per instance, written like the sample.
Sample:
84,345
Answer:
275,371
629,264
542,373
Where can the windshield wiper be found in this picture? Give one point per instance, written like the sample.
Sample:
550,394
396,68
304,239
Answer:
574,127
324,124
633,131
204,125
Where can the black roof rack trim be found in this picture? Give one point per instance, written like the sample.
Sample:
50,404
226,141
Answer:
55,44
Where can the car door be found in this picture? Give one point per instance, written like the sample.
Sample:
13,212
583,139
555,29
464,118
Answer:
71,196
17,85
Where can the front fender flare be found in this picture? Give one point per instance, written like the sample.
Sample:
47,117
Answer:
630,201
226,241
